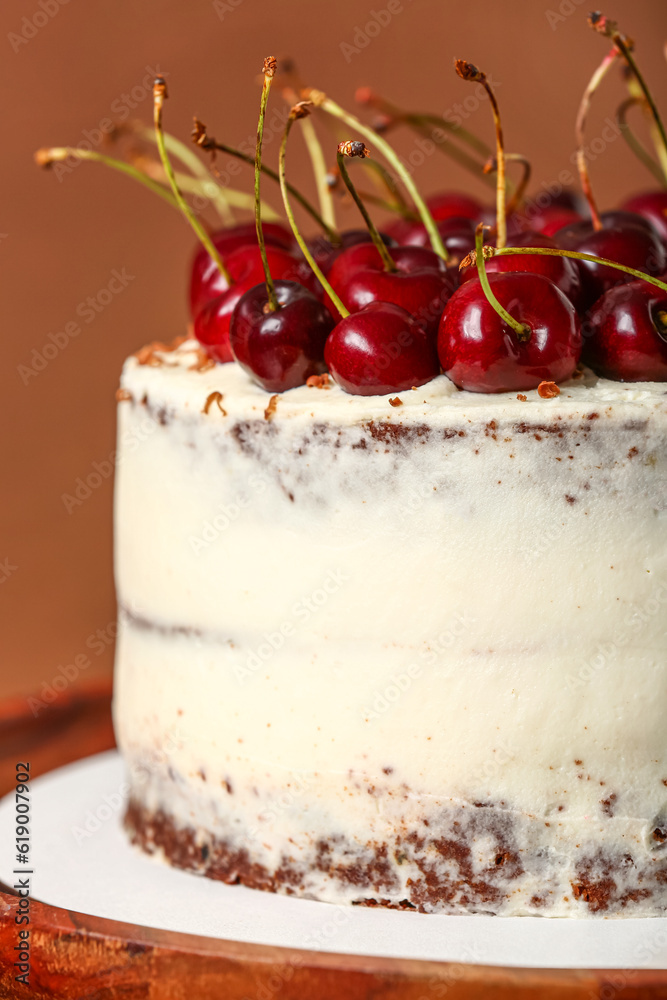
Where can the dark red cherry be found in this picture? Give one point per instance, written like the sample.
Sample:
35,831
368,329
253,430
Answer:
625,238
421,285
626,334
562,271
457,232
211,323
380,349
652,206
280,349
547,221
325,253
481,353
205,279
449,203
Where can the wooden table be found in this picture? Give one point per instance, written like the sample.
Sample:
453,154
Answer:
74,955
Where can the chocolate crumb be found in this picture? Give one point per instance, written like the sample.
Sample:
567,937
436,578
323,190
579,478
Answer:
547,390
395,401
271,408
521,396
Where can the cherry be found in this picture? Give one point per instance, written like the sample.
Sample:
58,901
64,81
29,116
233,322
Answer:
205,279
453,203
627,330
481,353
562,271
380,349
325,253
651,205
457,232
421,284
280,348
625,238
211,323
542,220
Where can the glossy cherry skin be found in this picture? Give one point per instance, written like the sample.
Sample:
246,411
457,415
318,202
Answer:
211,324
651,205
563,272
325,253
421,285
626,334
380,349
625,238
481,353
205,279
283,348
457,232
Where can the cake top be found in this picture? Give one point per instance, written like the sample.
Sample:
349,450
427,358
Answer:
177,378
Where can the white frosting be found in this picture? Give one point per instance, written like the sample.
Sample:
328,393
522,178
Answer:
472,611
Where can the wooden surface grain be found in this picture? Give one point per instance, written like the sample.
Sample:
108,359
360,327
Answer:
74,955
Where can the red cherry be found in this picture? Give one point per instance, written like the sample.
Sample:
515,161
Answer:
380,349
421,285
280,349
547,221
481,353
627,334
458,235
625,238
205,279
325,253
561,270
211,324
449,203
651,205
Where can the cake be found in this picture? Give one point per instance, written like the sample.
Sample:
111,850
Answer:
404,651
391,529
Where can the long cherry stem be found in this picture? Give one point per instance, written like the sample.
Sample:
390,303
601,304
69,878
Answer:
635,91
522,330
322,101
467,71
159,97
57,154
633,142
519,194
300,111
269,70
346,149
579,130
207,143
609,29
576,255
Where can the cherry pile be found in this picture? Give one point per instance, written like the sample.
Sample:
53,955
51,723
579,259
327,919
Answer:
498,298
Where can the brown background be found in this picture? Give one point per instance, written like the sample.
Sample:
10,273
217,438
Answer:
61,239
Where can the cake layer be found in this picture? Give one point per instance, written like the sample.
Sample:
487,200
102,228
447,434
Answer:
430,634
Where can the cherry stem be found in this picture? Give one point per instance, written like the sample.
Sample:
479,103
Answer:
205,142
400,204
290,84
159,97
576,255
423,123
322,101
189,158
635,91
579,130
621,44
518,196
300,111
205,187
45,157
269,70
467,71
522,330
633,142
346,149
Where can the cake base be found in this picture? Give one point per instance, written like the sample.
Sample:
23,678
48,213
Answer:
448,870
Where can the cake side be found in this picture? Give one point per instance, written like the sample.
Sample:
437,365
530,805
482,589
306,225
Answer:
407,653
